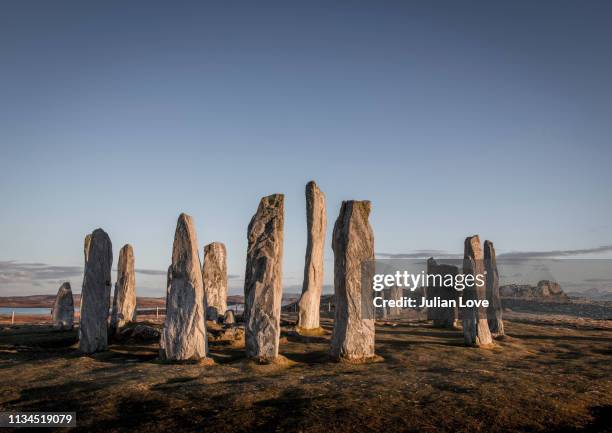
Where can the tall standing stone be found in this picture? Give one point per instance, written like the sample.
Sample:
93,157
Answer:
95,296
443,317
474,319
316,221
353,245
494,310
262,284
184,334
124,300
214,276
63,308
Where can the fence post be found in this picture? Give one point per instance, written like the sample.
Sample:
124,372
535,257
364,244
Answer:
157,312
13,318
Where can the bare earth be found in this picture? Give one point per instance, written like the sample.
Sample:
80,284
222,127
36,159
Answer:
546,376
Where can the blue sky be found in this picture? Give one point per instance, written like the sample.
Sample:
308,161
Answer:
451,118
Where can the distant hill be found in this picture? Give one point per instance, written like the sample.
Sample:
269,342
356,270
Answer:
46,301
594,293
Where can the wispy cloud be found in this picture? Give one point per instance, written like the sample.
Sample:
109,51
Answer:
554,253
14,272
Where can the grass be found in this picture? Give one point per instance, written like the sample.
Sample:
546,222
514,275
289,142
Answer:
540,378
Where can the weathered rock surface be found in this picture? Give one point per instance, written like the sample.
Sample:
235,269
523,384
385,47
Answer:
309,304
494,310
353,245
168,283
443,317
229,318
474,319
263,286
549,288
95,295
63,308
184,333
139,332
395,293
214,276
124,300
545,290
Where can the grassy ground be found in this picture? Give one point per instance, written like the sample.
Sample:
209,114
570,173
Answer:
541,378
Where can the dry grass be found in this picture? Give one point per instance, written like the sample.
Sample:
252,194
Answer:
541,378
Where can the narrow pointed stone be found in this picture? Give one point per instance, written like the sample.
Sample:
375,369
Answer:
214,276
95,296
86,245
474,319
442,317
316,221
63,308
353,245
494,311
124,300
184,333
168,284
263,279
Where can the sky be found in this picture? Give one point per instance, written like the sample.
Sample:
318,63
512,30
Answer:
453,118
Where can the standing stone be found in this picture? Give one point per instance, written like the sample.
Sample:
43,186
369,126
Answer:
474,319
124,300
229,318
214,276
353,245
63,308
184,334
443,317
395,293
262,284
95,296
309,304
494,311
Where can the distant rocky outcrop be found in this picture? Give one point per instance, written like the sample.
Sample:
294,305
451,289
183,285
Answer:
545,289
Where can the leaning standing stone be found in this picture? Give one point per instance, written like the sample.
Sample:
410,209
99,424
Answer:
124,300
95,295
214,276
184,334
443,317
474,319
262,284
494,311
353,245
309,304
63,308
